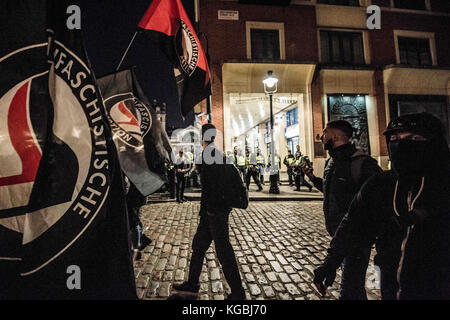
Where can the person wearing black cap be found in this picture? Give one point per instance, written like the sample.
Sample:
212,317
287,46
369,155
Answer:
406,211
214,214
344,174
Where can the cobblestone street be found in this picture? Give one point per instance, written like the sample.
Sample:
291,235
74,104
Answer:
277,245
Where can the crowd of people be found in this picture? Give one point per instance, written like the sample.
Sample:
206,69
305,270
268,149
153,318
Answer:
402,212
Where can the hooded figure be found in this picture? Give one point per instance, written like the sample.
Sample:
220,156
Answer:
406,212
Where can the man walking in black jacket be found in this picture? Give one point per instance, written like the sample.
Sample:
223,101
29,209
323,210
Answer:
409,208
344,174
213,225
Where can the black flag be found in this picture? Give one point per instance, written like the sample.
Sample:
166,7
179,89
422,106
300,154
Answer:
73,223
138,134
167,24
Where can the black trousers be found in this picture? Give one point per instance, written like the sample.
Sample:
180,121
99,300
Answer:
171,178
214,227
255,175
300,181
290,172
181,183
135,200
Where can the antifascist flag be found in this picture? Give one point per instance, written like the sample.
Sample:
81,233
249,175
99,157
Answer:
73,221
167,23
132,122
24,106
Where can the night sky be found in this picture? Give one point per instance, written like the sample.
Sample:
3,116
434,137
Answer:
108,27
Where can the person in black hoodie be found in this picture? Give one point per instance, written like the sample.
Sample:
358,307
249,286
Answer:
213,226
344,174
406,211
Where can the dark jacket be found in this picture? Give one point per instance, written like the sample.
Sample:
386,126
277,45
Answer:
338,184
182,164
424,270
212,181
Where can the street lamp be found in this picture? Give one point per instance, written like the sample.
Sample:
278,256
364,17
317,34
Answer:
270,87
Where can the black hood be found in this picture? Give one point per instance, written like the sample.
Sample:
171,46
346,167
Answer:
429,127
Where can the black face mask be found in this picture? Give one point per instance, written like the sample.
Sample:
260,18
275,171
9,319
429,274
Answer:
409,157
328,145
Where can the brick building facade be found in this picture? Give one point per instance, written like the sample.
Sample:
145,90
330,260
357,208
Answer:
329,65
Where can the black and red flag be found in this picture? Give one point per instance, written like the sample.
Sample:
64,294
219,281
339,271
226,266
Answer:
167,23
141,141
63,220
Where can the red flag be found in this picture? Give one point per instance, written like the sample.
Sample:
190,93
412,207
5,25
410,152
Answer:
167,23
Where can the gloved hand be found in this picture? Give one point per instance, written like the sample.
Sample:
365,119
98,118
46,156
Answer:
324,277
398,223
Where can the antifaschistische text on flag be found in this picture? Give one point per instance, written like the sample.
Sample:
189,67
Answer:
62,203
167,24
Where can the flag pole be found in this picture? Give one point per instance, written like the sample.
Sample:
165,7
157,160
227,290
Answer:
126,51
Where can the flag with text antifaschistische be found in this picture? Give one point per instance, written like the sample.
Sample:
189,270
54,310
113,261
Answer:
167,24
140,139
63,219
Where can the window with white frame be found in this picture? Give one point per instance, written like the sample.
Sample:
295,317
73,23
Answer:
265,40
415,48
414,51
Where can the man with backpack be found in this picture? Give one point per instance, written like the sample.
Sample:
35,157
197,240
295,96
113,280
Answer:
345,172
222,189
408,209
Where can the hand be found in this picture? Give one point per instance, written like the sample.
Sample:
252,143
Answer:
323,278
307,171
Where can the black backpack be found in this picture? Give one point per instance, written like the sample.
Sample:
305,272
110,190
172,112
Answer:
235,192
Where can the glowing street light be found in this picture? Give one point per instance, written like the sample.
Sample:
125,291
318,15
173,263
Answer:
270,87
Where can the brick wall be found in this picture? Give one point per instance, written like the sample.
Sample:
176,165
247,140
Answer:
382,41
227,38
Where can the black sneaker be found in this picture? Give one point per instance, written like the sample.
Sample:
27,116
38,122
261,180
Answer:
186,289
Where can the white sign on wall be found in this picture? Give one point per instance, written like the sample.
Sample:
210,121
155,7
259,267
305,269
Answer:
228,15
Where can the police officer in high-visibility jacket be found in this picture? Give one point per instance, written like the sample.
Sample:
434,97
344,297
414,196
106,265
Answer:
252,170
288,162
240,163
300,160
261,162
